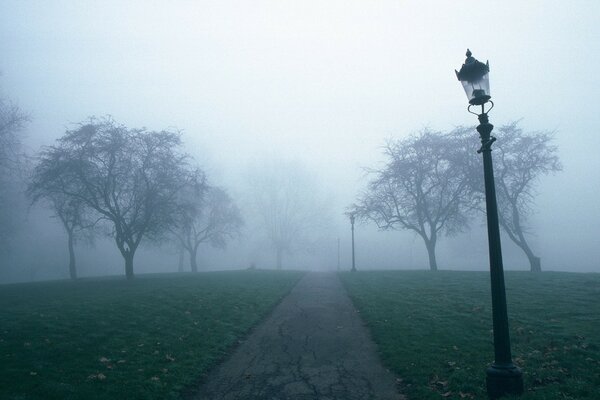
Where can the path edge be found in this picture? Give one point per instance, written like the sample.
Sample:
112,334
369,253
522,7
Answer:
190,391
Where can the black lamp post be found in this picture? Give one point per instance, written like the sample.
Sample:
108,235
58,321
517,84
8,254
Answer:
502,377
352,227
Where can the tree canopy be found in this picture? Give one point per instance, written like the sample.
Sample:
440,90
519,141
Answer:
421,187
128,177
208,215
12,122
285,197
520,159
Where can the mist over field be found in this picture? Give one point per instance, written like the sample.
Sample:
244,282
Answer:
291,103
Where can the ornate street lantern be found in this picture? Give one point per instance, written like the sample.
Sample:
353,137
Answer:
474,76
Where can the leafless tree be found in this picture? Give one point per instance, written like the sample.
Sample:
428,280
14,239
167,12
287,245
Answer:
72,213
421,187
286,199
206,215
12,122
520,159
128,177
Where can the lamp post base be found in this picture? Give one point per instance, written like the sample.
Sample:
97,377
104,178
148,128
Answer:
502,380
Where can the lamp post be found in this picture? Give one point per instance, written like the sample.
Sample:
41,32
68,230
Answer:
352,227
502,377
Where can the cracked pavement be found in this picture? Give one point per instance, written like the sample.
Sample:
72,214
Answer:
312,346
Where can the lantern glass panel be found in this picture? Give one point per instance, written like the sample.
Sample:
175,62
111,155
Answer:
478,92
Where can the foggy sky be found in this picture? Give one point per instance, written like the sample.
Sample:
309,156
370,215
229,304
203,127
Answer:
324,83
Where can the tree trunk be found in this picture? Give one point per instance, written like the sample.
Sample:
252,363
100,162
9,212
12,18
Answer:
72,268
193,262
180,261
431,252
279,257
128,263
535,263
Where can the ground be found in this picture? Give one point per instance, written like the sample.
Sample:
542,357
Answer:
313,346
168,336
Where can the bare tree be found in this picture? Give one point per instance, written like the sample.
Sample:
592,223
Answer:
421,187
285,197
521,159
73,215
206,216
12,122
128,177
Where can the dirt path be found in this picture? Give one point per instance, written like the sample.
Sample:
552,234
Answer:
313,346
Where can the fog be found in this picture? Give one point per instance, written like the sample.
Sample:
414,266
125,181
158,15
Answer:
321,85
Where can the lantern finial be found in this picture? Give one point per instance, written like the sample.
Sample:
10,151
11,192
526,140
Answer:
469,54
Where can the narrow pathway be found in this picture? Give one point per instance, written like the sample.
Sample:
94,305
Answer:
313,346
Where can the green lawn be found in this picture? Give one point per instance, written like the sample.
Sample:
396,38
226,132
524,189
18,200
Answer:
113,339
434,330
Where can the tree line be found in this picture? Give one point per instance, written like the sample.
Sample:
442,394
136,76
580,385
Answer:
135,185
432,184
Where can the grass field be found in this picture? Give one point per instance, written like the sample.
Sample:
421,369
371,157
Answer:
113,339
434,330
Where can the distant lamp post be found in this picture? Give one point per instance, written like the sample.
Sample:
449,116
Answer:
502,377
352,227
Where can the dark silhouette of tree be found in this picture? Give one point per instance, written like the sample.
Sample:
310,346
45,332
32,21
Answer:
520,159
421,187
206,215
128,177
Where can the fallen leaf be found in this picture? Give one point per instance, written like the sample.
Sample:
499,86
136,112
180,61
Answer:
99,377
